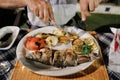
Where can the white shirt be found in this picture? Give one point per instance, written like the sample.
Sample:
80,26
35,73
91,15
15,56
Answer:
62,1
63,10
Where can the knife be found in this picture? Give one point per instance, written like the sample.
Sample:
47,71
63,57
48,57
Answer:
81,25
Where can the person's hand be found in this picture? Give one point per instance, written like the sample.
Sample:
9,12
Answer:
42,9
87,6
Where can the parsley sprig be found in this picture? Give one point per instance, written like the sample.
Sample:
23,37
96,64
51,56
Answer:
86,50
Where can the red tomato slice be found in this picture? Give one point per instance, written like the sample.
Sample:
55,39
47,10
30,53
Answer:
34,43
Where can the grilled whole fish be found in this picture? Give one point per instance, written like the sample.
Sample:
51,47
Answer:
59,58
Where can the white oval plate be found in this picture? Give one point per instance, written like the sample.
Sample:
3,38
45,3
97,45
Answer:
48,70
15,30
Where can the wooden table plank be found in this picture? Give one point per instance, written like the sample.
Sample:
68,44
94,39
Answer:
97,71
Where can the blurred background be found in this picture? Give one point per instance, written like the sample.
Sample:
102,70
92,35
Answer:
107,14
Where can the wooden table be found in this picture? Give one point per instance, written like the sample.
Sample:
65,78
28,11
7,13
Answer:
97,71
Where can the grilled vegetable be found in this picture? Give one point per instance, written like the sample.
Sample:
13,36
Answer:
52,40
85,50
34,43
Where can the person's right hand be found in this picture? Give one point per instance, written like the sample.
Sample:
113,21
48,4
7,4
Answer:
90,5
42,9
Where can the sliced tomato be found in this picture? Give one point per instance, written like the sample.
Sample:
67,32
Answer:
34,43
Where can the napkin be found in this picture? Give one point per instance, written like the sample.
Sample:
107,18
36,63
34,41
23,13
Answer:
114,53
62,13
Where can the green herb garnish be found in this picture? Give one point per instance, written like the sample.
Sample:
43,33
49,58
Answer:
85,49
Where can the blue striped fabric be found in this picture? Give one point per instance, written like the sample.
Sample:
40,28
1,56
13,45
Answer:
10,55
104,42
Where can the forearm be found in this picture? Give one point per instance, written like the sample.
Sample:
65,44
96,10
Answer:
12,3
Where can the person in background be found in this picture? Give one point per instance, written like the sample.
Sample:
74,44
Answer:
43,8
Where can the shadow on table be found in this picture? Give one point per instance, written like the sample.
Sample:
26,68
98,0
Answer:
2,78
106,28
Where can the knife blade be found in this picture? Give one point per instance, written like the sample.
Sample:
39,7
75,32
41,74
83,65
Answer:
81,25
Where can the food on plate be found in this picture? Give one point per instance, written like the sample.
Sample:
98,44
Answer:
82,50
63,39
59,58
34,43
91,43
72,36
77,42
5,37
84,46
59,32
43,35
51,40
